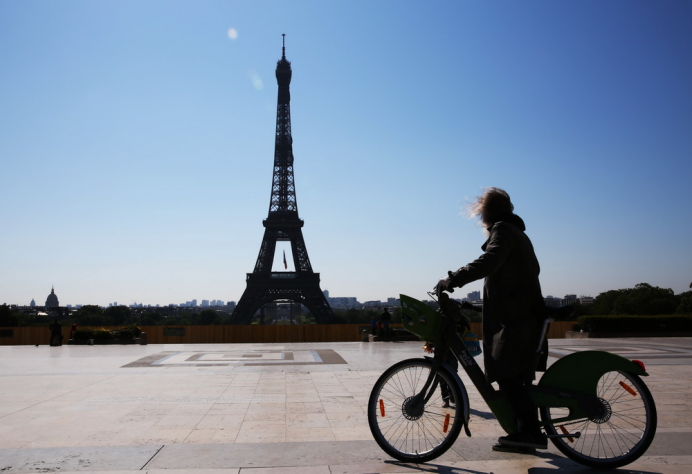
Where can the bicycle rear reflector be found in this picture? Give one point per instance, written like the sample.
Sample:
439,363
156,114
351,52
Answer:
564,431
382,408
445,427
628,388
640,364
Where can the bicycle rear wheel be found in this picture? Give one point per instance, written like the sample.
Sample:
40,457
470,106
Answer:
408,432
618,437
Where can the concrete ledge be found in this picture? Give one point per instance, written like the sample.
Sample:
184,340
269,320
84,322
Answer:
102,342
615,335
411,337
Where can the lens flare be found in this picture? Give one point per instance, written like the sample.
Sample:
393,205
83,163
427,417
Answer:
255,79
233,33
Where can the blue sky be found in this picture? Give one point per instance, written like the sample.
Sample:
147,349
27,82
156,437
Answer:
136,142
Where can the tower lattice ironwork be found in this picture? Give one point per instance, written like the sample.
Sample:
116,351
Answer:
283,224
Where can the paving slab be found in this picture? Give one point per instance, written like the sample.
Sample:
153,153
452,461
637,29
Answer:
265,408
76,459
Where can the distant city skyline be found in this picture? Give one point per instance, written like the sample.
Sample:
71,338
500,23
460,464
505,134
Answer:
202,303
137,142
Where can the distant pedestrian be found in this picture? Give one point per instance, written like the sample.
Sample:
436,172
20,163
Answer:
55,333
386,318
73,330
373,326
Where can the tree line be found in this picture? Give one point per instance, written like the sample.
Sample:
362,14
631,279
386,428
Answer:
643,299
95,316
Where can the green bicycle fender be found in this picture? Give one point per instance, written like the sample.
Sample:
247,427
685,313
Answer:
580,372
465,396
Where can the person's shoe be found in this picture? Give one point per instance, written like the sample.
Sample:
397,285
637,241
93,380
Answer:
523,439
504,448
446,404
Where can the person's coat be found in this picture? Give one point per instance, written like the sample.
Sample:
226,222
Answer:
513,305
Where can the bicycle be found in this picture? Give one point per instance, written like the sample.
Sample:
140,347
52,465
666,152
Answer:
593,405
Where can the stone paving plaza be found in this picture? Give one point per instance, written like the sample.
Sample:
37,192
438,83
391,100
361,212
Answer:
272,408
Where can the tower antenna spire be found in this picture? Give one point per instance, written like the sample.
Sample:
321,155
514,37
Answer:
283,47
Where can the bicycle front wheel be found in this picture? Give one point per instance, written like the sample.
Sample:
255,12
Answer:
410,431
620,435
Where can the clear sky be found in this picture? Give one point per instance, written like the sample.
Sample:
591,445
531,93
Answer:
137,139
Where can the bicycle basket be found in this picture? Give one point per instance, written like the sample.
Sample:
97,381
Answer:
420,319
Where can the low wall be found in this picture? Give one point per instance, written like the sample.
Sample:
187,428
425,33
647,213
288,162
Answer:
237,334
620,335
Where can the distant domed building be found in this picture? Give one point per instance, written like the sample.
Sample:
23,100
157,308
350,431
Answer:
33,303
52,300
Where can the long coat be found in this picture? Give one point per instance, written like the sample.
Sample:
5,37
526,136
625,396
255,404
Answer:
513,305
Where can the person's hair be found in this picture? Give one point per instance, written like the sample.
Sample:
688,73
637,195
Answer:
491,206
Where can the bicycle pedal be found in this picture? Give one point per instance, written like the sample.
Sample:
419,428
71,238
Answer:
503,448
566,435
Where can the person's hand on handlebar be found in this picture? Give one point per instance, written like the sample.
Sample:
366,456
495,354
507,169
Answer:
445,284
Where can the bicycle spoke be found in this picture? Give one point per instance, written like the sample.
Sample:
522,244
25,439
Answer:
622,434
409,431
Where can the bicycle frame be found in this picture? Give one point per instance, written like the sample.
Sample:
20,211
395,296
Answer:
569,383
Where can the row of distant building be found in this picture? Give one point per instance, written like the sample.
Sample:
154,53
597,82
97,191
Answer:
551,301
347,302
52,301
474,297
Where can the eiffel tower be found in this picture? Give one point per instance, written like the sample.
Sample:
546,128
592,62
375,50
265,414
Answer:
283,224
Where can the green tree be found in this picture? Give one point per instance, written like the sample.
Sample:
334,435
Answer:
118,315
685,305
356,316
90,315
8,318
604,303
643,299
208,316
148,318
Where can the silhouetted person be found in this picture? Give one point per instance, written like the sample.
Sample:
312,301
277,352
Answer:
513,311
386,317
55,333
